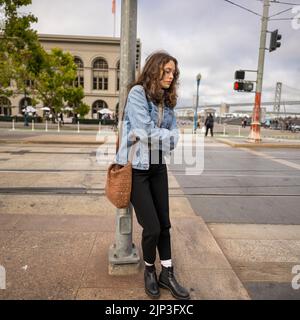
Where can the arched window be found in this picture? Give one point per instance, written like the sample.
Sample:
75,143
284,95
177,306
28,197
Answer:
24,103
118,76
96,107
29,83
79,81
5,107
100,74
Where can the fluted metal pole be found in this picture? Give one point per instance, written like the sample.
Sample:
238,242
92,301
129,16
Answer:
123,255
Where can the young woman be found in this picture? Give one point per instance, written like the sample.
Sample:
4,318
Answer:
149,132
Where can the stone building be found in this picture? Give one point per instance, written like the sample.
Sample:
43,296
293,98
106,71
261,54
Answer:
98,61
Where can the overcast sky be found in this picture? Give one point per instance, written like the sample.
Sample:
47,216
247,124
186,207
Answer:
211,37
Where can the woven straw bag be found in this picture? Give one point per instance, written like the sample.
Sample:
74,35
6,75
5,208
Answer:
118,184
119,179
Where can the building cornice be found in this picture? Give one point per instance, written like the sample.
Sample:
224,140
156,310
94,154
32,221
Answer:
78,39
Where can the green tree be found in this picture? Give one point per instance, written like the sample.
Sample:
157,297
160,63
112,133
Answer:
46,77
82,109
54,83
21,54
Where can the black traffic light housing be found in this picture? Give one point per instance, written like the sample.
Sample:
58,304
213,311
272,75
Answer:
241,84
239,75
274,40
246,86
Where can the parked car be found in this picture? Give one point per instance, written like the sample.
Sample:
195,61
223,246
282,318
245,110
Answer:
295,127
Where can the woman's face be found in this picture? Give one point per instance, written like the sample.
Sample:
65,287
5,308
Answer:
167,74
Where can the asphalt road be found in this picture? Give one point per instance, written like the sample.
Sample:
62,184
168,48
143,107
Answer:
256,190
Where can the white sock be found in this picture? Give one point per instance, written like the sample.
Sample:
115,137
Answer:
166,263
148,264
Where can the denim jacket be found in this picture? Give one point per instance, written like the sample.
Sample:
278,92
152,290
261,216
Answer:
140,132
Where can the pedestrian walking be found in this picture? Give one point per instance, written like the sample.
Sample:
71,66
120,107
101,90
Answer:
209,124
149,118
244,123
26,118
62,118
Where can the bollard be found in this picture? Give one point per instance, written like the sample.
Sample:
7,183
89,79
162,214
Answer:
13,124
239,131
224,130
58,126
78,129
46,128
32,128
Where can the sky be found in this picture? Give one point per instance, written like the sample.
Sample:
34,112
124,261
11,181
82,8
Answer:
210,37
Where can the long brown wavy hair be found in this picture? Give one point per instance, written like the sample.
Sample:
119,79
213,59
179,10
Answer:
151,76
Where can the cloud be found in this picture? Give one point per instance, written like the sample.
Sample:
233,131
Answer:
213,38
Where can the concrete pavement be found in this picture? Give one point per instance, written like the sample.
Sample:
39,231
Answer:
56,227
54,243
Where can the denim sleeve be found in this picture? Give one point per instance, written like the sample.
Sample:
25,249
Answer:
142,126
174,133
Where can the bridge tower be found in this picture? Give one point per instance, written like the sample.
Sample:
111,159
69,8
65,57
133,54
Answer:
277,101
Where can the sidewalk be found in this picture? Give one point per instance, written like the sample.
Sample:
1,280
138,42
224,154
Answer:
91,138
59,249
243,142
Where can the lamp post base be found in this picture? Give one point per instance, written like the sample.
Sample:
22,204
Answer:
119,266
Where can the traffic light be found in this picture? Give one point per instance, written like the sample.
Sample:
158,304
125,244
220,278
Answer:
274,41
241,84
238,86
246,86
239,75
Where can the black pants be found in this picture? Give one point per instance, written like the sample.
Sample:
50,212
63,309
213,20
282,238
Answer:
211,131
150,199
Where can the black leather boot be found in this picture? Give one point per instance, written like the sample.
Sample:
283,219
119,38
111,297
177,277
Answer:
167,280
151,284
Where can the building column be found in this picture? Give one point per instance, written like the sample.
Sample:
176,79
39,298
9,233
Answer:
87,73
112,83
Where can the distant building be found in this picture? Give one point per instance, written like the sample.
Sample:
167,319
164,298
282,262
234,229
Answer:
98,61
224,108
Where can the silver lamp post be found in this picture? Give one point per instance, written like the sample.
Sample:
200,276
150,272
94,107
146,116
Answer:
198,78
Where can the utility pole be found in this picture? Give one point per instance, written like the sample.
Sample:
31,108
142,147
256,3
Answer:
255,126
123,255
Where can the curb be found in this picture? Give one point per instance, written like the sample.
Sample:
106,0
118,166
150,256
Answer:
259,145
51,142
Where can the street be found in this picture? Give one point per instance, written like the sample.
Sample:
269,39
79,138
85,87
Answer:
250,201
248,198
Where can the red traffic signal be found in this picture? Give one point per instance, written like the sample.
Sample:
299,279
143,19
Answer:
238,86
246,86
